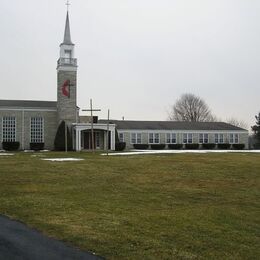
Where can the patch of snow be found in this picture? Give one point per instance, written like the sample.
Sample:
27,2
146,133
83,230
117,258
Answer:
38,155
63,159
137,152
32,151
6,154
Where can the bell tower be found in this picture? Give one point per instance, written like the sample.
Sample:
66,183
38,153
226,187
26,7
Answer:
67,79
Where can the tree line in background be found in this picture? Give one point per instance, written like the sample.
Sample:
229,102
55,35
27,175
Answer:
192,108
256,130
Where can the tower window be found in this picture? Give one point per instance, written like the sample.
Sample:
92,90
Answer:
68,54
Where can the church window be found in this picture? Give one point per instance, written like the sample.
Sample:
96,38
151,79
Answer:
233,138
236,139
187,138
9,129
37,130
203,138
219,138
154,138
121,137
136,138
171,138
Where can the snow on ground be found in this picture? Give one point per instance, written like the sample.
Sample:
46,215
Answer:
63,159
137,152
33,151
6,154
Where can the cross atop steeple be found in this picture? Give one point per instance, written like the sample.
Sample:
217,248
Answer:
68,4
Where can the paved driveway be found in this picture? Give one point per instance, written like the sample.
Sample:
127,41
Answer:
17,241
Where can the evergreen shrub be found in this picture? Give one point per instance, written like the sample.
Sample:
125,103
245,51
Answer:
257,146
10,146
175,146
238,146
141,146
192,146
59,142
224,146
157,146
256,129
36,146
120,146
209,146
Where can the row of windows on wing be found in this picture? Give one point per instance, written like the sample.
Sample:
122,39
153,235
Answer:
187,138
36,129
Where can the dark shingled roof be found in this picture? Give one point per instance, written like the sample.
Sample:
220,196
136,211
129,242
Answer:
171,125
27,104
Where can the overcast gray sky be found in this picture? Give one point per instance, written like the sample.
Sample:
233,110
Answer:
137,57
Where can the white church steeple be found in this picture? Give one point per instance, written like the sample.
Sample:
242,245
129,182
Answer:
67,60
67,79
67,37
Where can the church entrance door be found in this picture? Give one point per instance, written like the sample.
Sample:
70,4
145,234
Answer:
87,142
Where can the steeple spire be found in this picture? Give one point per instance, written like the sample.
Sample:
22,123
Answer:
67,38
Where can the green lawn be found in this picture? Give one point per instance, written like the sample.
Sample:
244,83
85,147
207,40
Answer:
178,206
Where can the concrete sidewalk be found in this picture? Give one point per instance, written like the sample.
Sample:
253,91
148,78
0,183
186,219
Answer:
17,241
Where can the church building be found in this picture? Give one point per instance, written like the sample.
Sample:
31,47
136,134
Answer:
27,122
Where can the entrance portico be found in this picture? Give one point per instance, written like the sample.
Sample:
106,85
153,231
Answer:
82,136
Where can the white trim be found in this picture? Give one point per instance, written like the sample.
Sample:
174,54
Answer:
68,67
87,126
22,130
183,131
28,109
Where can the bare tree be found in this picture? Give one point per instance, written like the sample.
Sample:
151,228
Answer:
236,122
256,129
191,108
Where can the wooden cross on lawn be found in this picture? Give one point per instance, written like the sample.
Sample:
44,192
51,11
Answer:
92,129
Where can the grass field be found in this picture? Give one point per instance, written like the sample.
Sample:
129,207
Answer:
179,206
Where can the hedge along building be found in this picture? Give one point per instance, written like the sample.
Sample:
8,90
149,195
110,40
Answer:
35,122
30,122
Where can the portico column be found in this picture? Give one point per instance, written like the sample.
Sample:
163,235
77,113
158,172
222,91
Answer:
112,140
78,140
105,140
